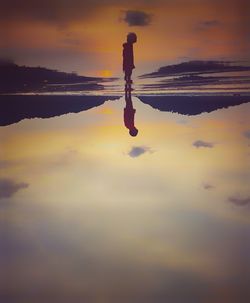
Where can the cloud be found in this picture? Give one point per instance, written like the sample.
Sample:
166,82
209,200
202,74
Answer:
137,151
197,81
247,134
64,12
199,75
50,11
207,24
30,79
238,201
201,143
137,18
197,67
9,187
208,186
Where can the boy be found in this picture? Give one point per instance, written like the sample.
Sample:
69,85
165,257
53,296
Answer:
128,57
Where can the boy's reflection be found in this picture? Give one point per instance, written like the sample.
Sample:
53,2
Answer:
129,112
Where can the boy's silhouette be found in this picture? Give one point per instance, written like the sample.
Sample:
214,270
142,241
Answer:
128,56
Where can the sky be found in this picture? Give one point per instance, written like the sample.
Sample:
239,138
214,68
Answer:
87,36
87,213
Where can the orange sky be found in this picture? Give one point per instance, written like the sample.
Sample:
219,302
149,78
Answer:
87,36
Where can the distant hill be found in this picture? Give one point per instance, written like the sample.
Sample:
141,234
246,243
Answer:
200,75
15,78
197,67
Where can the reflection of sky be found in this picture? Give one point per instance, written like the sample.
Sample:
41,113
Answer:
110,218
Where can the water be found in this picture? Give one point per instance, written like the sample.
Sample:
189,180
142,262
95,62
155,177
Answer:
91,214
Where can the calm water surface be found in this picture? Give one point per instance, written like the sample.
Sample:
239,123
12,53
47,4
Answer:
91,214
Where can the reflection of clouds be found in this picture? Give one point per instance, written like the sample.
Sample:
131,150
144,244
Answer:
137,151
9,187
100,226
191,105
208,186
46,106
239,201
247,134
201,143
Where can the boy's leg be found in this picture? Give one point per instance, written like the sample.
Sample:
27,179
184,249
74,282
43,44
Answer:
129,76
129,73
126,75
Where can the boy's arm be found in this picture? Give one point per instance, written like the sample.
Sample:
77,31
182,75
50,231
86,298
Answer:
132,56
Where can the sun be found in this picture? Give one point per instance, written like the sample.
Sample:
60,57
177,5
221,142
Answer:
106,73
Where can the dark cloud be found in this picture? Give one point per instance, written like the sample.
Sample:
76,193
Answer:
208,186
58,12
6,62
27,79
198,67
204,25
137,18
239,201
200,75
137,151
247,134
201,143
9,187
48,11
196,81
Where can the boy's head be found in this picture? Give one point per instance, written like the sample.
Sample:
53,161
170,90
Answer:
133,132
131,38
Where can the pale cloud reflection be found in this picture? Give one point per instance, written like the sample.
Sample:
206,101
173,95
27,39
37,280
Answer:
9,187
247,134
137,151
201,143
208,186
239,201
